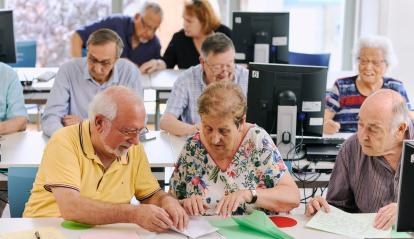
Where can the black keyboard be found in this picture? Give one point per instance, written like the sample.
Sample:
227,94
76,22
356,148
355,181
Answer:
322,141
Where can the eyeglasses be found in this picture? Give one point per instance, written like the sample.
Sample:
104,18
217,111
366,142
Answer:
133,132
218,67
147,26
365,62
104,63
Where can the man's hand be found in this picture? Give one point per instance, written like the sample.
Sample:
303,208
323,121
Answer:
153,218
194,205
315,204
331,127
231,202
149,66
386,217
176,212
70,120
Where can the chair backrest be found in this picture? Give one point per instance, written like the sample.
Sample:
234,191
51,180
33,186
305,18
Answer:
309,59
20,183
25,54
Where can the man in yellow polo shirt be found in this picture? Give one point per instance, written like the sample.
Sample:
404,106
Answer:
90,171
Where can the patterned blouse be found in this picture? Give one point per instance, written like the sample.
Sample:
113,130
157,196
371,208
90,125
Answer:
256,164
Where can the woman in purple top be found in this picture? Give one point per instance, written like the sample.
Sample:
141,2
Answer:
375,55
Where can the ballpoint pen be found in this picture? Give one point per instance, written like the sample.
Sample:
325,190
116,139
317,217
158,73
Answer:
37,235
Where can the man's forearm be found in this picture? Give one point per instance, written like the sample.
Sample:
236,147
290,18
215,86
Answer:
13,125
177,127
76,45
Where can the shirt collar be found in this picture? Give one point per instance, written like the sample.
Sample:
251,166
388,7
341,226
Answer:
87,147
113,80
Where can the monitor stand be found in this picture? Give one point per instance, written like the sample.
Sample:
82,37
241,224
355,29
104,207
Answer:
286,132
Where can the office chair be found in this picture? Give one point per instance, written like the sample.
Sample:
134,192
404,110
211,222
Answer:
25,54
309,59
20,183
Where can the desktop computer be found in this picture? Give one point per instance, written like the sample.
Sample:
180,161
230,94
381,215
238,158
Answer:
261,37
7,45
287,100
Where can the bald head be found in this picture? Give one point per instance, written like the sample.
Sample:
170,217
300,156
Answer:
115,101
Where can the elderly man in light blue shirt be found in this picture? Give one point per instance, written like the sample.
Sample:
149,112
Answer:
78,80
13,116
216,64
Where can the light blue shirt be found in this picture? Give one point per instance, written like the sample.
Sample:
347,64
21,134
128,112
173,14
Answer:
189,86
74,89
11,94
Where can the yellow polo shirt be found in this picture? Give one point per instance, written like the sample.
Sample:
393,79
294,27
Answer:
69,160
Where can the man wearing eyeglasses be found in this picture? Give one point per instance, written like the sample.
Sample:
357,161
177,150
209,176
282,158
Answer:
90,171
137,34
78,80
216,64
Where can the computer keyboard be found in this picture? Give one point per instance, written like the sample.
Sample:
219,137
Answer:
322,141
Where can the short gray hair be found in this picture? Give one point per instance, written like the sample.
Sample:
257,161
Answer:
103,104
400,114
380,42
155,7
216,43
103,36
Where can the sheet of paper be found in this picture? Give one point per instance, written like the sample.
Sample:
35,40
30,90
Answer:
44,232
197,227
108,234
358,225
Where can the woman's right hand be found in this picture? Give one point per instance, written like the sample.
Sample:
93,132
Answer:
194,205
331,127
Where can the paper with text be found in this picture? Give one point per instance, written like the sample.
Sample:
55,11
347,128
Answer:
197,227
44,233
356,225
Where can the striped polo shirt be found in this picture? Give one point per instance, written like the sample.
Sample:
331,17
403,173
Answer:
360,183
345,100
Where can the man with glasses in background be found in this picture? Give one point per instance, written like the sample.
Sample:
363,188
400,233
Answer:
78,80
137,34
216,64
90,171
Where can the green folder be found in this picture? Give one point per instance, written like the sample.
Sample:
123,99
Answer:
256,225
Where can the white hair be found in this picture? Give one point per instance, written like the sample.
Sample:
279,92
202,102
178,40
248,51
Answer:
102,104
380,42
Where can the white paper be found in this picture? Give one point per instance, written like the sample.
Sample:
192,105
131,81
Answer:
311,106
316,121
197,227
279,41
358,225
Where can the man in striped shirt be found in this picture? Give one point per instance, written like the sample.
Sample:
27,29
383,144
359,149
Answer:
367,169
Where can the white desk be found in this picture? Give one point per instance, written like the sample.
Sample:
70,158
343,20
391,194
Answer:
20,224
25,149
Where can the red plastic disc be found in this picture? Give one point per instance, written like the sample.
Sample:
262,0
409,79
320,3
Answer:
283,221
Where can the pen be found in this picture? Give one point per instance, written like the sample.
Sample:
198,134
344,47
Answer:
37,235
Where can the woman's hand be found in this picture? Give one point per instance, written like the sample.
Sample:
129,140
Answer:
231,202
194,205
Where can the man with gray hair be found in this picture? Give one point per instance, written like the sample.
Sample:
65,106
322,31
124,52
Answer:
367,169
78,80
137,33
216,64
90,171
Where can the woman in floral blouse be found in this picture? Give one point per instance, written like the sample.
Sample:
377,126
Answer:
231,167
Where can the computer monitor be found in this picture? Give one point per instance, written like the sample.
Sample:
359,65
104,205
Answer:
7,46
405,222
261,37
268,81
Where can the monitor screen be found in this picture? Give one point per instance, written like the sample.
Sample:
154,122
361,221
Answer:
7,47
405,220
265,34
267,81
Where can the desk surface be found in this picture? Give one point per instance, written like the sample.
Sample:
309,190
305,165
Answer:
18,224
25,149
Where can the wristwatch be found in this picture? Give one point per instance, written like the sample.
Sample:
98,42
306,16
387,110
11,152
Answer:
254,196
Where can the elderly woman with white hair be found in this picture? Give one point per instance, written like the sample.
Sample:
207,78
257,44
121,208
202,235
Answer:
375,56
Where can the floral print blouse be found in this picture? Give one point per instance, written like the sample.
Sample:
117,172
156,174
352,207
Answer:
256,164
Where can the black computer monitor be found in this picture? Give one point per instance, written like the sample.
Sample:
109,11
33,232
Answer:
268,81
269,28
7,46
405,222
